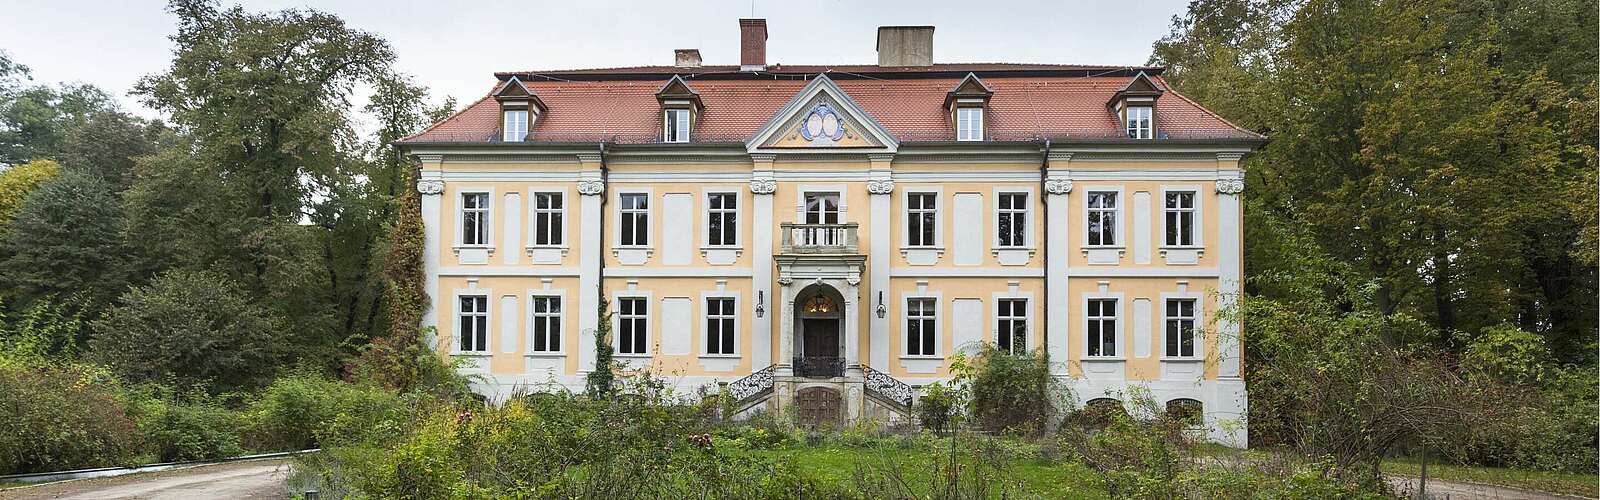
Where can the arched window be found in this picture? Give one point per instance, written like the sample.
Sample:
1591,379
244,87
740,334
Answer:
1189,412
1099,412
820,304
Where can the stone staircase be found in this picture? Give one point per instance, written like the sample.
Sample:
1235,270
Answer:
895,398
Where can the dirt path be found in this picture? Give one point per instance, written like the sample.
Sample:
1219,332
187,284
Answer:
257,479
1450,490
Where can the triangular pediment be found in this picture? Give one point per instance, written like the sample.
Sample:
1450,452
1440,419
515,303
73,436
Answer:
512,87
1141,83
676,88
822,117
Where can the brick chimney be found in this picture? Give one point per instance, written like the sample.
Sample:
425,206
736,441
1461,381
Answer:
752,44
905,46
686,58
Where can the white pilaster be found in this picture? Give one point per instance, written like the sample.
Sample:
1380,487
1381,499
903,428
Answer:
878,267
1230,186
762,187
591,190
1057,188
430,185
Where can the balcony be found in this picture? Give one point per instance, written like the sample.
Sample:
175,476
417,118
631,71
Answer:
819,238
818,367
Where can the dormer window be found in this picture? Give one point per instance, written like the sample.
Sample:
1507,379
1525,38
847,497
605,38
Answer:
675,125
967,103
680,107
518,109
515,125
1135,104
969,123
1139,122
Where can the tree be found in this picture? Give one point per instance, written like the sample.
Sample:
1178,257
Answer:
65,241
17,182
108,143
191,327
34,120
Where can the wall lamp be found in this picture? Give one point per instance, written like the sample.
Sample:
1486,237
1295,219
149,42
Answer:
882,311
761,296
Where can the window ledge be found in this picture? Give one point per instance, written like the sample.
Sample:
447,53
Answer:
546,354
1183,359
921,356
722,356
1092,359
472,354
459,248
633,356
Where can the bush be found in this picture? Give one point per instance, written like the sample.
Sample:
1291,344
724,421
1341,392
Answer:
193,426
938,405
302,411
61,418
1014,393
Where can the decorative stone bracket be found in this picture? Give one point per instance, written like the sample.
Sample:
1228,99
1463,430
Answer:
763,185
591,187
880,186
1230,186
1058,186
430,186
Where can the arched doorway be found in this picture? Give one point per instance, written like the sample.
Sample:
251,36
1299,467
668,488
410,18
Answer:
819,327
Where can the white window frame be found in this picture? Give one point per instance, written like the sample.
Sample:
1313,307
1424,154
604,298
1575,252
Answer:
800,201
488,321
962,133
505,125
1027,317
488,217
1148,131
708,212
1027,218
1121,326
534,211
1198,211
561,318
649,214
1121,212
670,119
1199,325
705,326
649,323
905,322
938,217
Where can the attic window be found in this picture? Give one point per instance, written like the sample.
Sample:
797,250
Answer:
969,123
1139,122
675,125
515,125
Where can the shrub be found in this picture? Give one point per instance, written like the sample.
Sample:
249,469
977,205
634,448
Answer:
58,418
191,426
1014,392
302,411
938,404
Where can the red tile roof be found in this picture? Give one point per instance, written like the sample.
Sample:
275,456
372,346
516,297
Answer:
1030,102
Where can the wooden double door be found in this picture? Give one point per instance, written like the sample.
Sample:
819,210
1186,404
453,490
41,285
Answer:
819,406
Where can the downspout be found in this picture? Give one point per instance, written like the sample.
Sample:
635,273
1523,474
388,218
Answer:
1044,246
605,195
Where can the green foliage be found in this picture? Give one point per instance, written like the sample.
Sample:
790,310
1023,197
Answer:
60,418
44,333
65,241
190,327
1015,392
107,144
1506,353
185,426
34,120
302,411
599,383
17,182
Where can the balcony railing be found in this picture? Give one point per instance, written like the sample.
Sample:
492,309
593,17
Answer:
818,367
819,238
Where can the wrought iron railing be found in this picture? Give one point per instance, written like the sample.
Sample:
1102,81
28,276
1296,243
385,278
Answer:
887,387
818,367
752,386
819,238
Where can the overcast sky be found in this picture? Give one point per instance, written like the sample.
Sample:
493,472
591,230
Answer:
452,47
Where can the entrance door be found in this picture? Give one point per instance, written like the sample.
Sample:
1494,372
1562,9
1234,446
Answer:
821,338
819,406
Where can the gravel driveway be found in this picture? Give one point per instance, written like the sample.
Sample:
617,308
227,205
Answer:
256,479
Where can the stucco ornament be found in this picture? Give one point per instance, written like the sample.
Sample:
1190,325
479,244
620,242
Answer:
430,186
785,280
763,185
1230,186
591,187
1057,186
880,186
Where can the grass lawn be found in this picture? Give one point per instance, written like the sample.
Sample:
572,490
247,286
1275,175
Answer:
837,464
1554,482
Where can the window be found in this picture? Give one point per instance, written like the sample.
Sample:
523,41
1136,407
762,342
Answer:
675,125
547,210
921,326
1102,318
1012,332
1139,122
723,223
633,321
1102,218
546,323
969,123
822,208
516,125
922,219
1180,218
635,219
1180,328
719,325
474,218
473,318
1013,221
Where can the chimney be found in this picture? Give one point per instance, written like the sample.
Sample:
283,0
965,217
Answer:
686,58
752,44
905,46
